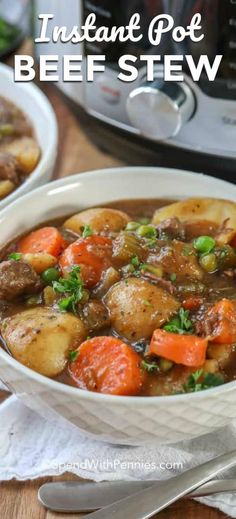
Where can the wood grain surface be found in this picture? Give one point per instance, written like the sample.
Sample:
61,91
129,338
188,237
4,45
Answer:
18,500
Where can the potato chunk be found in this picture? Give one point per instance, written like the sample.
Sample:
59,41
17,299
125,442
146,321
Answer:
212,210
40,261
26,151
6,187
101,220
41,338
222,353
137,308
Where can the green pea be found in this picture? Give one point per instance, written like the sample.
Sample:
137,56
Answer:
204,244
147,231
132,226
209,262
144,221
50,275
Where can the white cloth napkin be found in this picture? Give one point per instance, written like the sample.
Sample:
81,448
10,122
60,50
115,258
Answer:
31,447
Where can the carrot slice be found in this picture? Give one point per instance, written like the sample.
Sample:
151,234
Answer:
222,318
192,303
188,350
47,240
107,365
93,254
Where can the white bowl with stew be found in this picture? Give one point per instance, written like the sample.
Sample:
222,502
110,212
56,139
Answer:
115,419
40,114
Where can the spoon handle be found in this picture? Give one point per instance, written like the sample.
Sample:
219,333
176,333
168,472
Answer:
82,497
149,502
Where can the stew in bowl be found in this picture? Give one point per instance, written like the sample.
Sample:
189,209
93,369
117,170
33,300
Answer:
19,149
134,298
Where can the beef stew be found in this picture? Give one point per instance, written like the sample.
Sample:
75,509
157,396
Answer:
19,150
136,298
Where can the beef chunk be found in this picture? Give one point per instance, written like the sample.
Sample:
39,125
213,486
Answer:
173,228
177,258
5,111
12,116
9,168
17,278
95,315
163,283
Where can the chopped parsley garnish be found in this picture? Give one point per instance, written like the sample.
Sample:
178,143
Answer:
135,261
87,231
187,250
73,355
16,256
147,303
185,322
72,288
150,367
223,252
173,277
199,381
180,324
67,304
146,267
151,243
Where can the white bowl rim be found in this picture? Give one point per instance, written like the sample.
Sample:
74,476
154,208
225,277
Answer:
89,395
48,156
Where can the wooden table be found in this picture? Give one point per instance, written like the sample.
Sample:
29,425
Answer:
76,154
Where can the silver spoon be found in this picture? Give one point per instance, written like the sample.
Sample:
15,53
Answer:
150,501
80,497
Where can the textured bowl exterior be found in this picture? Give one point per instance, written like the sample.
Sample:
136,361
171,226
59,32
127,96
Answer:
36,106
120,420
124,420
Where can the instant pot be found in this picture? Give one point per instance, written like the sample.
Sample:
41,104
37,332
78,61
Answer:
190,125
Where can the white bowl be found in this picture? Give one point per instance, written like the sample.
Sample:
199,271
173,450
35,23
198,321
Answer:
36,106
123,420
